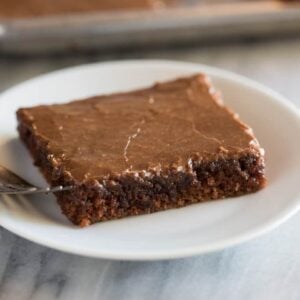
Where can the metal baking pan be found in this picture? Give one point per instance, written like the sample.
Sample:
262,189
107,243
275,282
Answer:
201,22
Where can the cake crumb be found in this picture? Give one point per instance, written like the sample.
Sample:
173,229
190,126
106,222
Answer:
151,100
85,222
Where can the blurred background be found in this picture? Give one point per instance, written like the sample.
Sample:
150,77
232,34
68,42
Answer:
259,39
57,26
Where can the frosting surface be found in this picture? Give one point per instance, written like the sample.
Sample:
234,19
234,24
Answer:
159,127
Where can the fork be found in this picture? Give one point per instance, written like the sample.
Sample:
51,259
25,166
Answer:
10,183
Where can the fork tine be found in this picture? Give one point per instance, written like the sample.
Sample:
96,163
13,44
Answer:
8,178
10,183
15,189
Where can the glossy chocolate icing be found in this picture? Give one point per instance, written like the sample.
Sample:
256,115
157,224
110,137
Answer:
164,126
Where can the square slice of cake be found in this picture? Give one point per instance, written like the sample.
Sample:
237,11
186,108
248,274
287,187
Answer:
144,151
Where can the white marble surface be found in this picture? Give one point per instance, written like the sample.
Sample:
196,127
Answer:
265,268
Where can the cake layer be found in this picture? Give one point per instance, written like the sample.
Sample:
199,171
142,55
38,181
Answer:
131,153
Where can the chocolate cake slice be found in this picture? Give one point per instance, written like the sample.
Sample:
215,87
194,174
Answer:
149,150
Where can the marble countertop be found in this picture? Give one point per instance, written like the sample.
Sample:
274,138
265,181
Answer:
265,268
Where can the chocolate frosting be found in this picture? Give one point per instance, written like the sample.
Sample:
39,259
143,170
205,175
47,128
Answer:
151,129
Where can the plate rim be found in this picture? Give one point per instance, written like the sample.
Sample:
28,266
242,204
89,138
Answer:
188,251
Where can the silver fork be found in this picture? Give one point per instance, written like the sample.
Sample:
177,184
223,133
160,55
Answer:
10,183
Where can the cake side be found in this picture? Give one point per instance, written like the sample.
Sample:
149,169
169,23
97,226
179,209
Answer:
220,174
139,193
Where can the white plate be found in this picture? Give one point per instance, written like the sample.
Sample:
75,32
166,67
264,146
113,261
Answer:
175,233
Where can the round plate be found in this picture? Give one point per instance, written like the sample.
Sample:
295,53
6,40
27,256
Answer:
175,233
